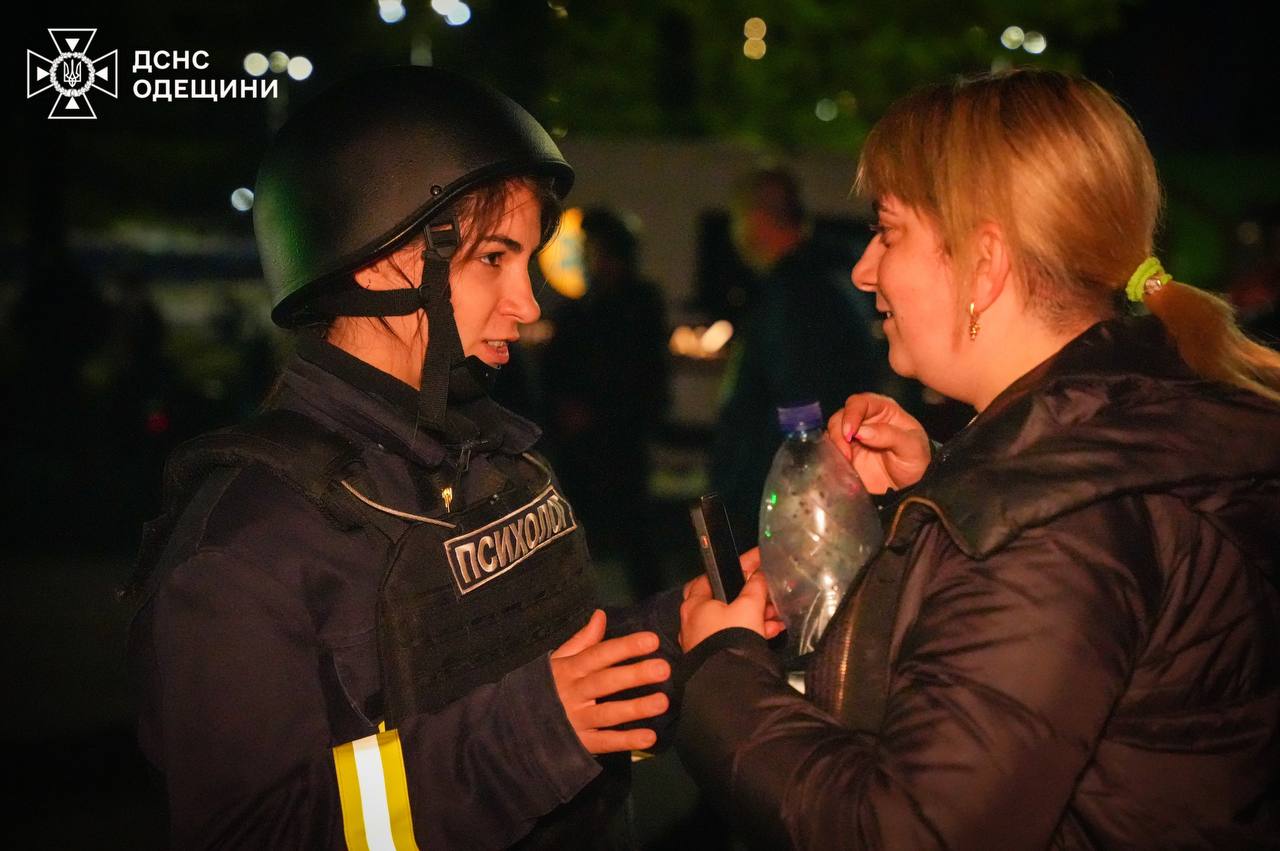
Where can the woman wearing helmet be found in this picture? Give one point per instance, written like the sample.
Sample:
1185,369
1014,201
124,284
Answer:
367,615
1069,638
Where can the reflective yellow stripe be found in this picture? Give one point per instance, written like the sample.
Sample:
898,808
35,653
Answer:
397,791
344,762
375,794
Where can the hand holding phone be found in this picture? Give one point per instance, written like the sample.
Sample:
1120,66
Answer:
715,542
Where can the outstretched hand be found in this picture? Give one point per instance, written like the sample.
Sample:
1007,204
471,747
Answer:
886,446
586,668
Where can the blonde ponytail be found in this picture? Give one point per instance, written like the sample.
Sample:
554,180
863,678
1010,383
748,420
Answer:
1210,342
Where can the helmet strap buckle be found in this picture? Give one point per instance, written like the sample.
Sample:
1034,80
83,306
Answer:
442,237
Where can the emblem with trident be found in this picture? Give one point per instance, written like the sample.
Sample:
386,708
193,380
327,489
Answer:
71,73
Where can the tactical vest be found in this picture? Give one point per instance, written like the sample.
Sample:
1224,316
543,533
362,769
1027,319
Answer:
470,592
475,592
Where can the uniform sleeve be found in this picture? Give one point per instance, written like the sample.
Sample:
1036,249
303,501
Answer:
659,614
234,715
999,691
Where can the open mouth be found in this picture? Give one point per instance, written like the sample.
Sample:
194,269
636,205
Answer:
495,352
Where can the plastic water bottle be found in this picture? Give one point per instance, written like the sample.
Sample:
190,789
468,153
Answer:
818,527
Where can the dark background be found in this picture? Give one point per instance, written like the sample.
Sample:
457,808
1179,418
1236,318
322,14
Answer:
100,382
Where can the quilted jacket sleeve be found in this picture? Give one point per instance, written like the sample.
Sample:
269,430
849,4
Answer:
1005,672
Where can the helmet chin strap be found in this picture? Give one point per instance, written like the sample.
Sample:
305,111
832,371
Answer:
446,372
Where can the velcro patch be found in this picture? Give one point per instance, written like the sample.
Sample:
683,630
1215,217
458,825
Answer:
488,552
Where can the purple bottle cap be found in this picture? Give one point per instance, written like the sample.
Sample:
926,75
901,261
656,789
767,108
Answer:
800,417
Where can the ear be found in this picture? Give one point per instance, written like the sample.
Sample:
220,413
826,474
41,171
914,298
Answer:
993,268
368,277
392,271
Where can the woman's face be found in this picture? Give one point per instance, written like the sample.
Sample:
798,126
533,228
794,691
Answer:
491,291
910,274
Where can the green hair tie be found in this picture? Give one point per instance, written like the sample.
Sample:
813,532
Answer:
1146,279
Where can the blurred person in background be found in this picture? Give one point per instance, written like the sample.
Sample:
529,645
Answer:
1255,289
606,382
807,336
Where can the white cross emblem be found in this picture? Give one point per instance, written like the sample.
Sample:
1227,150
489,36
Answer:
71,73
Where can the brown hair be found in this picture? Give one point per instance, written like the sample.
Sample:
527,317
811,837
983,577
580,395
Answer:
1064,171
480,210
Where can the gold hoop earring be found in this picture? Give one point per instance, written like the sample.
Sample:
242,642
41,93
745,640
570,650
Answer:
974,325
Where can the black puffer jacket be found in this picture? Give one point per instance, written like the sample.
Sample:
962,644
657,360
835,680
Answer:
1085,652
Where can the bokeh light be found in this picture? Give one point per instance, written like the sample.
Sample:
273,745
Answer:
391,11
300,68
561,260
458,15
255,65
1012,37
242,199
715,337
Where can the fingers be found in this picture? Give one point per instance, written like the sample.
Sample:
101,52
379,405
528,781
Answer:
622,677
688,586
774,628
755,594
884,436
750,564
590,634
861,407
613,651
835,434
699,589
614,712
614,741
856,408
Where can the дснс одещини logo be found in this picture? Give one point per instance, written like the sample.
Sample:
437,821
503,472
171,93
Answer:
71,73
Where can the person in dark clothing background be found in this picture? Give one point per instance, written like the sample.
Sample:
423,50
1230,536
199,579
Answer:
1254,290
1069,638
807,336
605,377
367,618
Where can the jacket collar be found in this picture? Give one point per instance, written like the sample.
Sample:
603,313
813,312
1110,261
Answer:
363,403
1115,411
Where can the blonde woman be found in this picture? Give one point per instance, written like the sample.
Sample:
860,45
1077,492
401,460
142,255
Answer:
1070,638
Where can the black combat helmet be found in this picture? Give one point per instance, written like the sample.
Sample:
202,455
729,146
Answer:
364,167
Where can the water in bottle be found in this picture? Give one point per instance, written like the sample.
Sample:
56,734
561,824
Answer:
818,527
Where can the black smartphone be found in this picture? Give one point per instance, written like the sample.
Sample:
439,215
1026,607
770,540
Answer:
715,542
